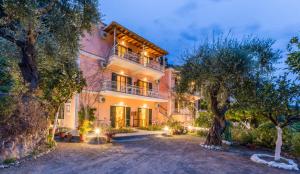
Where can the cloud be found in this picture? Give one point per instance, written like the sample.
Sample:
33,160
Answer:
187,8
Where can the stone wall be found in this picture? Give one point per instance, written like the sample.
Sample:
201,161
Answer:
25,129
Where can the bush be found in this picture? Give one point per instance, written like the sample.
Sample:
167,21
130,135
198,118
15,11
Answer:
152,128
266,134
176,127
202,133
204,119
122,130
242,135
296,144
9,161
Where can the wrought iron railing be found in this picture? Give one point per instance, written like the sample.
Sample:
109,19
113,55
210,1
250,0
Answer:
129,89
125,53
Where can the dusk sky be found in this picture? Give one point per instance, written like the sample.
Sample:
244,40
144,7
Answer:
177,25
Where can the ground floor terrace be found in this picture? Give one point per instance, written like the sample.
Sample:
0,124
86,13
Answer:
115,111
159,155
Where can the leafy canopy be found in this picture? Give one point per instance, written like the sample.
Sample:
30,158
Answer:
220,67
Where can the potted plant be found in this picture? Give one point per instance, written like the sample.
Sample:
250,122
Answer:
86,117
109,134
84,128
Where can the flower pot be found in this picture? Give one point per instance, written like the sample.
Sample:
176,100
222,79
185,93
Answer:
62,135
81,138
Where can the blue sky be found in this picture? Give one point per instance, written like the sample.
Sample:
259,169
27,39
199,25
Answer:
177,25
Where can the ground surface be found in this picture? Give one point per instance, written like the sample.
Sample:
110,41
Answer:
157,155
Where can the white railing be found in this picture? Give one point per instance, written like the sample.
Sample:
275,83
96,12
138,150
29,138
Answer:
129,89
136,57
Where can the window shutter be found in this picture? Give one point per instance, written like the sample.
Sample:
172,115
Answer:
114,81
128,116
150,117
150,86
112,116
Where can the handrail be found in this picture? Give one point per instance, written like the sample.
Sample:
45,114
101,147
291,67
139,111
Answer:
162,110
129,89
136,57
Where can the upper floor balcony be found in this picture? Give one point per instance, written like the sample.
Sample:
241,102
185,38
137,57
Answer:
132,52
117,89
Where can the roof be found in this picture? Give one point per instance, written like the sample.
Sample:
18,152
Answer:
134,38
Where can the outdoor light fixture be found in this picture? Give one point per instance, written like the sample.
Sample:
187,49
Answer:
97,131
166,129
190,127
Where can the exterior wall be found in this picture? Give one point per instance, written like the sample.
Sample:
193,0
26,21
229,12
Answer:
95,51
166,86
69,120
103,109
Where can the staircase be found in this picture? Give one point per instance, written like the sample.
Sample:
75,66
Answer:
162,110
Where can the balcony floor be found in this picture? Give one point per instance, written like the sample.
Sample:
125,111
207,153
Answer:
131,96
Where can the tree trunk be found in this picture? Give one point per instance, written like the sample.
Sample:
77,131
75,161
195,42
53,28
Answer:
55,122
214,136
278,143
28,66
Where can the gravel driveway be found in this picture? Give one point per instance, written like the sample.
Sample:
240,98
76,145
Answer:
155,155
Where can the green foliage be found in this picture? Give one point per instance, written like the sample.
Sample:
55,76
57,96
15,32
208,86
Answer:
204,119
296,144
265,135
10,87
85,127
86,116
202,133
242,135
274,100
60,81
293,59
152,128
9,160
176,127
86,113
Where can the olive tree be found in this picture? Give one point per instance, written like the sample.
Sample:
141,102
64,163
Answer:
220,67
275,99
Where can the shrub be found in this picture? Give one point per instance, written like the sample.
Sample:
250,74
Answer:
152,128
296,144
123,130
242,135
9,161
202,133
265,135
176,127
204,119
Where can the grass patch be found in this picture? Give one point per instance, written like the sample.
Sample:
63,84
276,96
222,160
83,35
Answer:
9,160
152,128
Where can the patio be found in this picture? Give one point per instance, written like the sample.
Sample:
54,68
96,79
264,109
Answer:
177,154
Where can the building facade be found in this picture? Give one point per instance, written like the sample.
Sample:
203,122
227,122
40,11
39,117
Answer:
127,81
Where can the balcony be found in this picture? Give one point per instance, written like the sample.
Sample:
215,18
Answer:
123,57
111,88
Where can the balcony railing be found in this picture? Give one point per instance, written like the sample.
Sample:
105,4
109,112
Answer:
129,89
125,53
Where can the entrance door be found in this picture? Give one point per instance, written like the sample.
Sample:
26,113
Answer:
119,116
145,117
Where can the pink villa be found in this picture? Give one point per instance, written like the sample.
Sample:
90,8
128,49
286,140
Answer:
127,81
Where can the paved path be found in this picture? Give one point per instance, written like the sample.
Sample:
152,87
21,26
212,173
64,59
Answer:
180,154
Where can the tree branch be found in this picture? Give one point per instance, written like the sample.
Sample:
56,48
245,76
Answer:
291,119
47,8
4,34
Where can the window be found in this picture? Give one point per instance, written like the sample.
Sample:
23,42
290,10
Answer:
121,83
61,114
144,87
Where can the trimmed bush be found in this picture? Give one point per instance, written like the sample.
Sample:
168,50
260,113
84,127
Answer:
296,144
